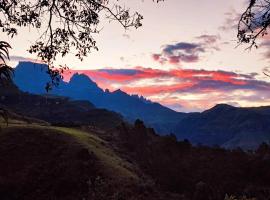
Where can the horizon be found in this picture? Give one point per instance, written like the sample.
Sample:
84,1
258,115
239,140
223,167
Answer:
135,99
182,65
69,74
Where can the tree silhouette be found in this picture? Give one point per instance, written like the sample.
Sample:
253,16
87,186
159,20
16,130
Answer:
65,25
254,22
6,72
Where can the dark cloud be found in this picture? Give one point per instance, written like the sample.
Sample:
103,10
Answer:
184,52
127,72
159,58
156,57
183,58
183,46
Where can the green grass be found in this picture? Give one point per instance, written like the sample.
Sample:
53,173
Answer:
112,164
13,122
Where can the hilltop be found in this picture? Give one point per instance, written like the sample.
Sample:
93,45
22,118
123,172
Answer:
227,126
44,162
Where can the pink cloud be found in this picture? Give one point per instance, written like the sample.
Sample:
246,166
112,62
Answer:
162,85
152,90
156,57
218,79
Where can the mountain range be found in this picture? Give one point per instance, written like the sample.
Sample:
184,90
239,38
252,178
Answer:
81,87
222,125
227,126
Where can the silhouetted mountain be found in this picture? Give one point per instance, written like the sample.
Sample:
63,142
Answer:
31,75
222,125
81,87
227,126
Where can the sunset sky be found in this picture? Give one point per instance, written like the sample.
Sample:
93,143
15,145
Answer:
184,56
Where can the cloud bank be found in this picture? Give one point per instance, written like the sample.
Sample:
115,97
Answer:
185,89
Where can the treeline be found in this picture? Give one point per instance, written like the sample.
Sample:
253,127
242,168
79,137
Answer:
197,173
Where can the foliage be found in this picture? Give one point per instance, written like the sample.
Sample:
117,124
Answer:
254,22
65,25
197,172
6,71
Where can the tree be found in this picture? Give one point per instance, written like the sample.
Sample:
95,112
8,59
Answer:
6,72
65,25
254,22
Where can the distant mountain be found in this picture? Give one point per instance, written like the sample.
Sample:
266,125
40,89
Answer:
32,77
223,125
227,126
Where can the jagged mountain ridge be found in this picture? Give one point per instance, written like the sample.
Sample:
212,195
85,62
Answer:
81,87
222,125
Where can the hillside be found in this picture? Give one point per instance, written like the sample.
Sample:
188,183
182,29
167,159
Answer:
56,110
194,172
39,161
60,163
227,126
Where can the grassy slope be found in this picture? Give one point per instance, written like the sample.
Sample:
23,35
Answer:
113,164
14,139
109,159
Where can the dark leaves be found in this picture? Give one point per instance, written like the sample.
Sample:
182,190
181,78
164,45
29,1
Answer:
66,25
6,72
56,75
4,46
69,24
254,22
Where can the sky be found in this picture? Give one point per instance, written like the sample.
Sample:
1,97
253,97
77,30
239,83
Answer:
185,56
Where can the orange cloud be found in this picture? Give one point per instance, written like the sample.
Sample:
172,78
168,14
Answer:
183,87
151,90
